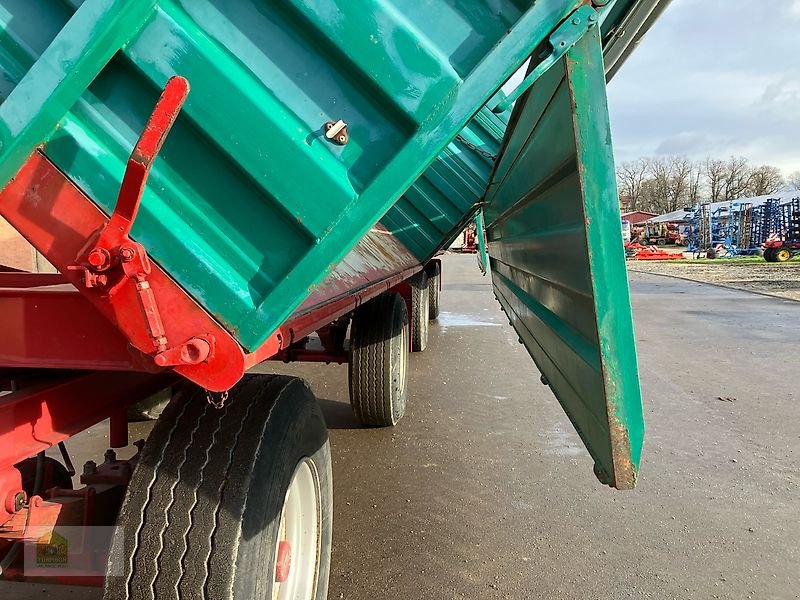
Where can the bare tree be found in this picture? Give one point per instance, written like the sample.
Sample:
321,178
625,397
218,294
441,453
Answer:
695,185
659,185
650,201
714,171
765,180
738,174
631,176
664,184
680,171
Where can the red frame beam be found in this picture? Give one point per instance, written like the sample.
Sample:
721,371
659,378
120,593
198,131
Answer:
302,325
43,414
55,327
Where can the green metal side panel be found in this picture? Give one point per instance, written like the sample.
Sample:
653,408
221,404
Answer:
557,259
437,205
249,206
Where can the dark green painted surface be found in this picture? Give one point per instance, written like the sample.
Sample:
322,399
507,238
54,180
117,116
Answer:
557,260
433,210
69,58
248,206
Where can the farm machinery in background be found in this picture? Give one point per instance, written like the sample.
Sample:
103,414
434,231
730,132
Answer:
745,229
659,234
783,241
646,243
470,245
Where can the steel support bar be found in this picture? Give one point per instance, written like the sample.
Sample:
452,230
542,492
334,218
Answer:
561,41
480,235
40,416
315,356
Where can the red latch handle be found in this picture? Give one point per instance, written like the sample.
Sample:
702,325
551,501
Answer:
113,247
144,153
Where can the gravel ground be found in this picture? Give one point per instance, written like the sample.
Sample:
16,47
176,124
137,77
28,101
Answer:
775,279
484,491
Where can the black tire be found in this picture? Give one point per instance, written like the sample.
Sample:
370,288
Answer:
711,253
202,514
434,271
783,254
769,254
420,311
378,362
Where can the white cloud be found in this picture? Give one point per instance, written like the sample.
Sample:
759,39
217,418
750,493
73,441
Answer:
708,80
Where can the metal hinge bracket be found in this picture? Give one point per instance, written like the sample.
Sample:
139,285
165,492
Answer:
561,41
114,257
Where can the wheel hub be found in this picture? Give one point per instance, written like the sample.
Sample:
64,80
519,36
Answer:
298,544
283,561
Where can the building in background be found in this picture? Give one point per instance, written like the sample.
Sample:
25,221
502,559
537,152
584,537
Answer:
637,216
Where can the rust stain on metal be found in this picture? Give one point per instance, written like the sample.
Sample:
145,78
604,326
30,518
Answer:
379,254
624,477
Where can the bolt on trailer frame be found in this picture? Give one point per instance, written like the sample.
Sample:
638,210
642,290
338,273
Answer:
302,172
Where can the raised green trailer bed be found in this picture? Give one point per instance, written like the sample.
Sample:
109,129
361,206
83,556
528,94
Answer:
259,213
248,185
222,182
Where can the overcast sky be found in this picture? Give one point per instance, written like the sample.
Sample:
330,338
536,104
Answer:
713,77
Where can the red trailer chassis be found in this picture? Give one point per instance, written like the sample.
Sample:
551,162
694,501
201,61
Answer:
82,345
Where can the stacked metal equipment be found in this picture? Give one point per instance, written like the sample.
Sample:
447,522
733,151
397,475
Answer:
739,229
767,221
790,220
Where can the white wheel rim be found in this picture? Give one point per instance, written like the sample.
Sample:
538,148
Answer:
300,525
403,358
400,386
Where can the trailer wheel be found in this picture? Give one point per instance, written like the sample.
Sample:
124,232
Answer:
420,311
230,503
378,363
782,254
434,277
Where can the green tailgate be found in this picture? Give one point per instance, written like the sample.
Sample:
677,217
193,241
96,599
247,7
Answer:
558,266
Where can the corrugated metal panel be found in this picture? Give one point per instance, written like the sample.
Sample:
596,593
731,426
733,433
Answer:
557,259
249,206
436,206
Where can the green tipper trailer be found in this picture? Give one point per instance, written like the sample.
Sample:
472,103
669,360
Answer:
217,181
